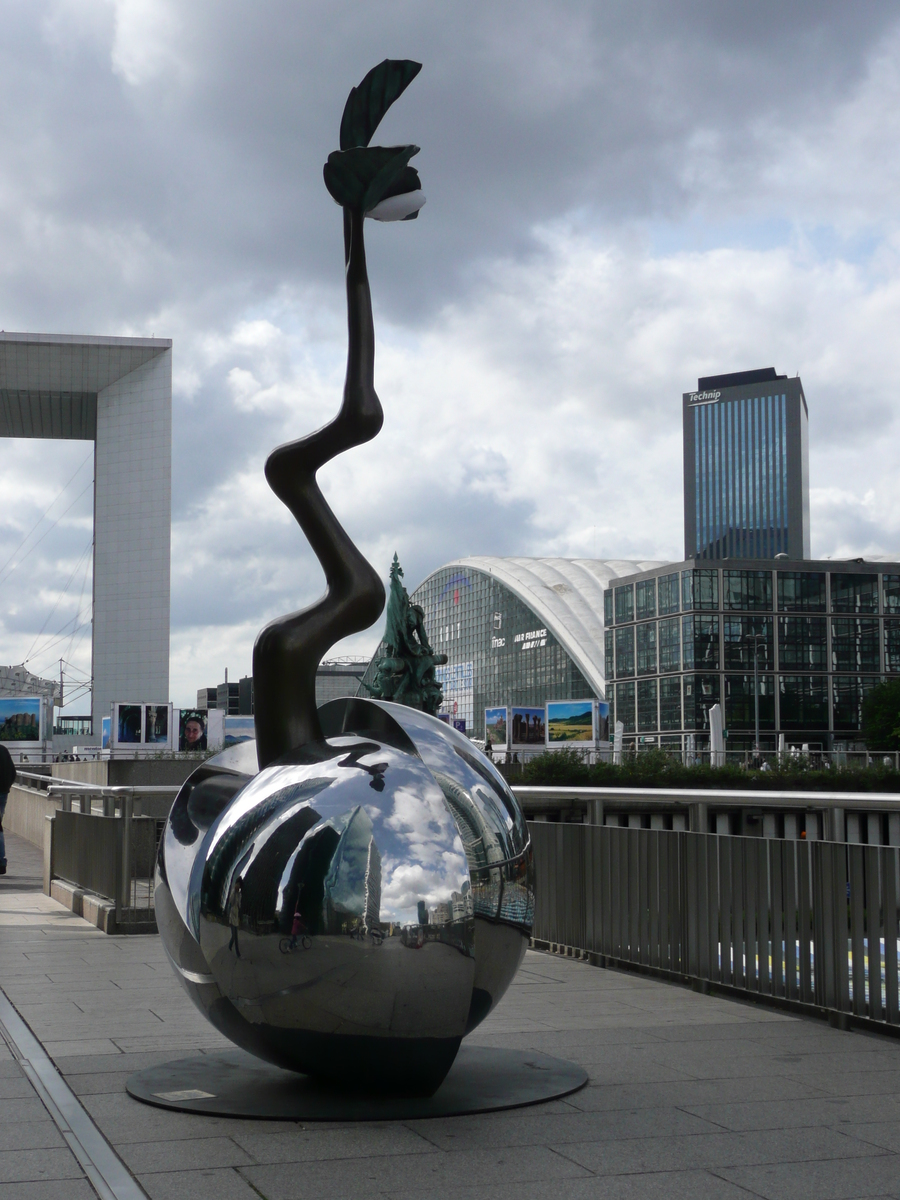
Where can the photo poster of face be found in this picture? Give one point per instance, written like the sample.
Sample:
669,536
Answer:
602,721
129,722
192,729
495,728
528,727
570,721
105,732
20,719
156,724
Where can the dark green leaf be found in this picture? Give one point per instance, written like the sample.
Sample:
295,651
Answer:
360,177
367,103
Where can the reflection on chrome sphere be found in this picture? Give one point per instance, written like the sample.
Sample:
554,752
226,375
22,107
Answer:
356,908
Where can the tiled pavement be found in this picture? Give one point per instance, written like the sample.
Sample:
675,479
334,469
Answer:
689,1096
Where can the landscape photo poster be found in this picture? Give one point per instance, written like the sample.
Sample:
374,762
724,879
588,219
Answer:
20,719
570,721
528,726
495,729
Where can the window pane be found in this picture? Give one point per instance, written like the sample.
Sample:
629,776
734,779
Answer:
854,593
668,594
670,645
801,591
646,648
854,644
670,703
741,648
687,590
740,711
645,599
706,589
624,604
700,641
646,706
610,663
802,643
892,645
624,652
608,607
625,705
891,593
803,701
701,692
747,589
849,692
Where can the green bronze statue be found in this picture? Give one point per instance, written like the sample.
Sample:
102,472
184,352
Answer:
405,672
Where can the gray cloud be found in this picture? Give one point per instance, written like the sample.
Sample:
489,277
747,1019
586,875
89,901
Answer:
619,199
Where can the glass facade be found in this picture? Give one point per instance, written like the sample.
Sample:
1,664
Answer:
499,651
801,591
854,593
669,594
814,662
681,639
740,478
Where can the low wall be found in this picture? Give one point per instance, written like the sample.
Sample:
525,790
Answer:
25,813
127,772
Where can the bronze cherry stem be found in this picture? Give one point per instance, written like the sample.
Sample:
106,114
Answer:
289,649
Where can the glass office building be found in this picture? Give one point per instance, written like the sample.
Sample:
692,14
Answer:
517,631
746,467
684,637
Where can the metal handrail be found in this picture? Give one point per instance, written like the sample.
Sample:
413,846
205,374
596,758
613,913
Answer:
529,794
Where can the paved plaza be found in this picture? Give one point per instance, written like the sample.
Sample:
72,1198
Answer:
689,1095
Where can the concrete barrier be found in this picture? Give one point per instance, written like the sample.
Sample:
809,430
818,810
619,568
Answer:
26,810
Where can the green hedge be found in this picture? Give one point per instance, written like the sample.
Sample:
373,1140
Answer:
656,769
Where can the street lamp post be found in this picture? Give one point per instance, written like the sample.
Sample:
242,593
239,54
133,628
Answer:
755,638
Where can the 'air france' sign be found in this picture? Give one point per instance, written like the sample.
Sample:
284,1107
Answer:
704,397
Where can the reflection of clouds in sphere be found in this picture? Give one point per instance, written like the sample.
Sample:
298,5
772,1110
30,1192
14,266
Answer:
407,884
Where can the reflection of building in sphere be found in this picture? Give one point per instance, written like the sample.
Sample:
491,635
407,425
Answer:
481,843
373,887
345,883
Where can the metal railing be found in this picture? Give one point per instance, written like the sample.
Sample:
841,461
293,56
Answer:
797,922
809,758
103,845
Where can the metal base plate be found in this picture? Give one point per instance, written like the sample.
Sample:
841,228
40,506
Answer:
235,1084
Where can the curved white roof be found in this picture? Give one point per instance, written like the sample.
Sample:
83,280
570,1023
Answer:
567,595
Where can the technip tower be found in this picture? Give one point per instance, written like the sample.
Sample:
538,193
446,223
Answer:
746,467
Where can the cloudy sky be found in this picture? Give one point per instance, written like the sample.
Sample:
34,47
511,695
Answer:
621,197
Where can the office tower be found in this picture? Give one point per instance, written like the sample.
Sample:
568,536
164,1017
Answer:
746,467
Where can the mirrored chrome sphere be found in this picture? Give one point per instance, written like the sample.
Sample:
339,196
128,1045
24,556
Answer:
356,908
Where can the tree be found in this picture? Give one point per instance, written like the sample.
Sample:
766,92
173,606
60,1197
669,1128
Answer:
881,716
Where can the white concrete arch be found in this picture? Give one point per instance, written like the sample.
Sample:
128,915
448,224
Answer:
117,393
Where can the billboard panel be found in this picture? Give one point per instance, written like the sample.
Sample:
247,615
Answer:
192,729
528,727
156,724
129,721
239,729
495,728
105,732
570,721
20,719
602,721
458,682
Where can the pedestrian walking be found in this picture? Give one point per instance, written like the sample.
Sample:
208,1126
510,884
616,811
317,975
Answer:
7,779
